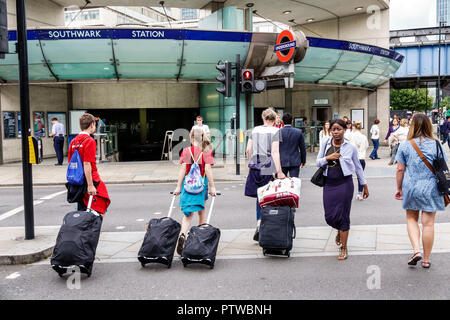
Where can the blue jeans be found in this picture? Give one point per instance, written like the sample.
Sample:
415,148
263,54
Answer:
258,210
376,144
363,164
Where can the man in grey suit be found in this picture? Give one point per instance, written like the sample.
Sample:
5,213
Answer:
292,148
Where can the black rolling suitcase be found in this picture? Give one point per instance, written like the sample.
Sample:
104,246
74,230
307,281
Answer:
77,241
277,230
201,243
160,240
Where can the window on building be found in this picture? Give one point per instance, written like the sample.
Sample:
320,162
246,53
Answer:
189,14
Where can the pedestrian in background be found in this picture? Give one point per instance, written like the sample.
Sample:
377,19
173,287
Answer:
263,153
348,131
200,125
292,148
399,136
375,132
393,126
361,143
191,203
58,140
417,186
325,133
446,131
341,160
278,123
101,127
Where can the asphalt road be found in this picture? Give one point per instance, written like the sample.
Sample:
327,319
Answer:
269,278
133,205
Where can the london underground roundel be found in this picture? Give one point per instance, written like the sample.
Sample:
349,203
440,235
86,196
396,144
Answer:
285,46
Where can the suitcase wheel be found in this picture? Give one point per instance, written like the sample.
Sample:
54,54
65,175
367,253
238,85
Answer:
264,252
211,266
143,265
184,265
169,265
288,254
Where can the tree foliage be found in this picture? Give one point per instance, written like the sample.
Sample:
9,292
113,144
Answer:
410,99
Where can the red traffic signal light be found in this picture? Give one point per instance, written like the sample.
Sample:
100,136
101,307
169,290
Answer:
247,80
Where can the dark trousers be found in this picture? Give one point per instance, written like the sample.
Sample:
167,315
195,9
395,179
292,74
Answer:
446,139
58,144
294,172
376,144
363,164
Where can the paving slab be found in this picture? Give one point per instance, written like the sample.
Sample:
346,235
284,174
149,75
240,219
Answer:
235,243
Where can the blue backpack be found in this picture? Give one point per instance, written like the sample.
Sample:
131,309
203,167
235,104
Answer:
75,169
194,183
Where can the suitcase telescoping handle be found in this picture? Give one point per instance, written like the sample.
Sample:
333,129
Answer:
211,207
91,197
171,204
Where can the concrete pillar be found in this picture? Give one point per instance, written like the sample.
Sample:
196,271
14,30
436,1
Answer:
288,100
143,121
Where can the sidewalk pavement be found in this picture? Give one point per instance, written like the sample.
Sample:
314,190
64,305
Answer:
234,244
47,173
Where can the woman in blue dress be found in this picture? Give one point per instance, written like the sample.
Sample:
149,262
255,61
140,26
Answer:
417,187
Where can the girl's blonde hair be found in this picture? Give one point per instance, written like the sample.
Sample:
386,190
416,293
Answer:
269,115
358,125
403,122
199,136
420,127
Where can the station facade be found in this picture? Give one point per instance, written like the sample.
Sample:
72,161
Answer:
141,100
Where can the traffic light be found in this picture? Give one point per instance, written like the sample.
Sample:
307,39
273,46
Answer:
247,80
224,78
3,29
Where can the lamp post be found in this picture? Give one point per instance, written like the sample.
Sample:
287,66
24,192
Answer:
25,120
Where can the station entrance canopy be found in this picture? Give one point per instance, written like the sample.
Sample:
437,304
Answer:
184,54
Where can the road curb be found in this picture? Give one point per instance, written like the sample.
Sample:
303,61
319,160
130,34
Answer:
63,184
26,258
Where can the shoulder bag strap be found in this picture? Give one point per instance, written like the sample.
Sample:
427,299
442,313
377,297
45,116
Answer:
416,147
79,144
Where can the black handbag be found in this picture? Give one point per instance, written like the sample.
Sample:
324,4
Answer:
318,178
441,170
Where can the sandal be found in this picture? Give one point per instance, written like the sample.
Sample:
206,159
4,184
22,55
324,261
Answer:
416,257
343,253
338,239
426,264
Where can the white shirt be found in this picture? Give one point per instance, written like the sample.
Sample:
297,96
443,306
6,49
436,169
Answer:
401,133
323,137
203,127
360,142
375,131
348,134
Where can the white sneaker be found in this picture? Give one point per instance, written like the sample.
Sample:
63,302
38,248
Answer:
359,197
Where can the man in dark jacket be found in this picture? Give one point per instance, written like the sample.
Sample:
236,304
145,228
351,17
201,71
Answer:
446,131
291,143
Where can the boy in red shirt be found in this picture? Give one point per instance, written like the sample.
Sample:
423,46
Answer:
87,148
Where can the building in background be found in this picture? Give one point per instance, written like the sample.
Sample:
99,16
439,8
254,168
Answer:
146,86
442,11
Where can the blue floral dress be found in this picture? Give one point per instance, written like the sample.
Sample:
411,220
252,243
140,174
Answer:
420,190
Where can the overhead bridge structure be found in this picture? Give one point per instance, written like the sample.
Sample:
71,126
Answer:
420,47
187,55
